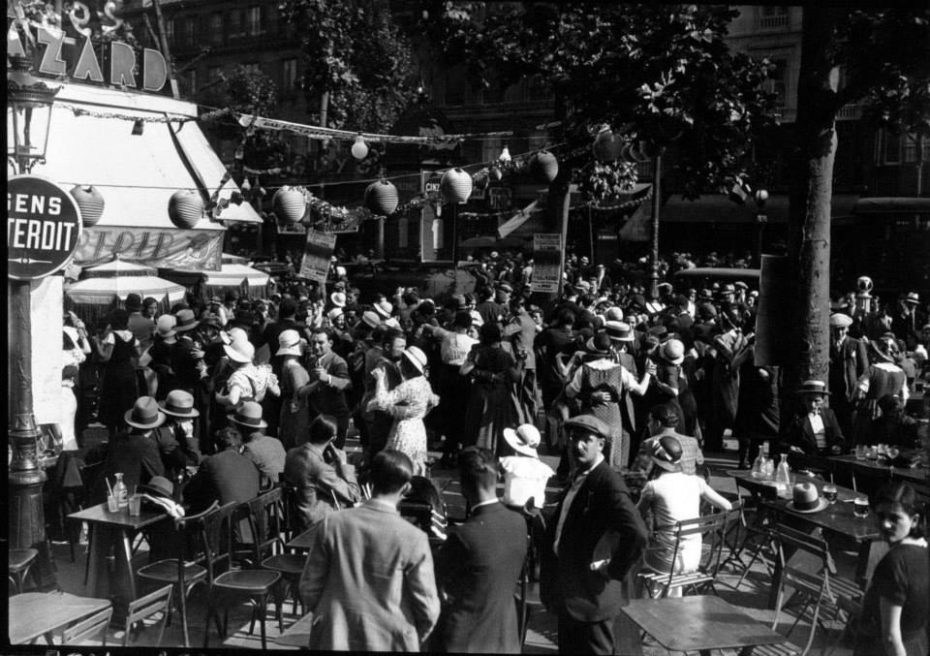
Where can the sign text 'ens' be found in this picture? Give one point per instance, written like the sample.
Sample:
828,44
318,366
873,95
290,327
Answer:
43,227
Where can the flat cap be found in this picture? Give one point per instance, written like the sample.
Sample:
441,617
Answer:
589,423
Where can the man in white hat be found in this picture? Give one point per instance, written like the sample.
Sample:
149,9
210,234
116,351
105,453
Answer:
849,361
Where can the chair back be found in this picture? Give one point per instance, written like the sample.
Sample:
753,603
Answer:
290,518
94,626
712,529
145,607
208,539
264,514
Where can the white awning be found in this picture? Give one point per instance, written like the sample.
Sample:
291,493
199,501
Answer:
91,143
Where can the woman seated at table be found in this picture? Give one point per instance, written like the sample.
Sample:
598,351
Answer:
673,496
894,426
897,602
815,430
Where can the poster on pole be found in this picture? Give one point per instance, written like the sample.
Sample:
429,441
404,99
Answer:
317,251
547,263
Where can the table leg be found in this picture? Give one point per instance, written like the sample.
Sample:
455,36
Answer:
117,584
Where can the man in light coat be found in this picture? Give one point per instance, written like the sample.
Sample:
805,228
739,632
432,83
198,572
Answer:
369,578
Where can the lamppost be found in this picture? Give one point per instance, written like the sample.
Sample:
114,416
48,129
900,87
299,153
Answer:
760,196
29,113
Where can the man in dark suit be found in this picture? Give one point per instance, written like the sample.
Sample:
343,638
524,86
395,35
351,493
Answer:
594,538
225,477
478,565
815,430
849,360
133,453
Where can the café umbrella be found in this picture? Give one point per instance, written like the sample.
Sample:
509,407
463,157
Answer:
94,297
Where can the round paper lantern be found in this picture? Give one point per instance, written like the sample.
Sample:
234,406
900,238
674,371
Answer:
456,186
544,166
90,200
381,197
607,146
289,204
359,148
185,208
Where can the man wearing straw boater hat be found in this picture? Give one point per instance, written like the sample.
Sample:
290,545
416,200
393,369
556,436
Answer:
266,452
815,430
177,438
133,452
849,360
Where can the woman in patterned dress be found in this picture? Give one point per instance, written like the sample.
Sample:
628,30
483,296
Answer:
883,377
408,403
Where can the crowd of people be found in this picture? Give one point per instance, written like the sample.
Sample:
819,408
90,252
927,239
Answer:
224,396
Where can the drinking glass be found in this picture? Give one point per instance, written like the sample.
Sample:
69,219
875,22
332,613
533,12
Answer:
829,492
135,505
861,507
112,504
861,450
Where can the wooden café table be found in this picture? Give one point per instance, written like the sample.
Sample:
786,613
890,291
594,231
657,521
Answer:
116,530
875,469
699,623
35,614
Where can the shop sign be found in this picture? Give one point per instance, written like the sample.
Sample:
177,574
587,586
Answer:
168,248
43,227
547,263
317,253
70,52
500,198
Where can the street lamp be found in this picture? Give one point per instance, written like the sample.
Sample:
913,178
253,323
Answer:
29,114
760,196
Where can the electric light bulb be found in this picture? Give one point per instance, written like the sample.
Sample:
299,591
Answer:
359,148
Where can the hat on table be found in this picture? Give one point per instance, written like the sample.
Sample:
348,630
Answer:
805,498
158,486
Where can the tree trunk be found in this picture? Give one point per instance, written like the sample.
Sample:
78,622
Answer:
810,199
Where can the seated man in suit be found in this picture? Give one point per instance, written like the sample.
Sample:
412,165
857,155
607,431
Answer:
815,431
476,563
225,476
323,480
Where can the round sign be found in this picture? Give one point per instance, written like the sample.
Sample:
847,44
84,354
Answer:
43,227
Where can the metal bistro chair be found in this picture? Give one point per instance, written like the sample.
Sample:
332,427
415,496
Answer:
194,563
819,589
90,629
19,563
754,534
711,528
144,607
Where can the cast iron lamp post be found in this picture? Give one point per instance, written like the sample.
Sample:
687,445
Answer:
29,113
760,196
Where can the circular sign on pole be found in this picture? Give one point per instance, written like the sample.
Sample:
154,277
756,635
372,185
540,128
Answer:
43,227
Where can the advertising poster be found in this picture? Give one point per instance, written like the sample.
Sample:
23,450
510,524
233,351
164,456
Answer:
318,250
547,263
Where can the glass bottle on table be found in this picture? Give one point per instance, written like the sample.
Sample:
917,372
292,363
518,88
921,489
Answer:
758,465
120,491
783,474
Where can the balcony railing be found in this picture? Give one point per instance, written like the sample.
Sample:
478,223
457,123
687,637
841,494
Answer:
771,22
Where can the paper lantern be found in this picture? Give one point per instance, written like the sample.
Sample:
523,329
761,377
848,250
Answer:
544,166
359,149
456,186
289,204
185,208
381,197
90,200
607,146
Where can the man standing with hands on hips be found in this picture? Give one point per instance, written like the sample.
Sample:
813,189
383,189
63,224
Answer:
596,535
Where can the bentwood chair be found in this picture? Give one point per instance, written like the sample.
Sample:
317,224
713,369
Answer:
144,608
711,529
19,563
93,628
198,543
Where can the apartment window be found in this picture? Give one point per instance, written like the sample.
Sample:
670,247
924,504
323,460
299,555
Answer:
773,17
778,83
289,75
235,22
254,21
216,28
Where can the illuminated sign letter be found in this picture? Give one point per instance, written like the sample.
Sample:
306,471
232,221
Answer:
14,47
87,66
52,63
122,64
154,70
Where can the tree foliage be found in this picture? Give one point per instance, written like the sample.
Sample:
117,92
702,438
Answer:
662,74
355,52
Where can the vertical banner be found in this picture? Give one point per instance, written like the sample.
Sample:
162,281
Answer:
773,318
547,263
317,251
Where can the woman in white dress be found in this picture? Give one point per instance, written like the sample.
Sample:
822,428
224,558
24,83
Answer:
408,403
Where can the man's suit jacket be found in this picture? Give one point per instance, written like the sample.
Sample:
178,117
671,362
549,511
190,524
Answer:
846,367
602,522
317,481
135,456
477,568
369,582
800,433
225,477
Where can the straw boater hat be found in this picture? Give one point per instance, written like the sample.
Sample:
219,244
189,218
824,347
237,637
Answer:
416,357
240,351
145,414
334,313
179,403
384,308
371,319
840,320
912,298
187,320
805,498
338,299
674,351
666,453
289,341
523,440
813,387
619,331
249,415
